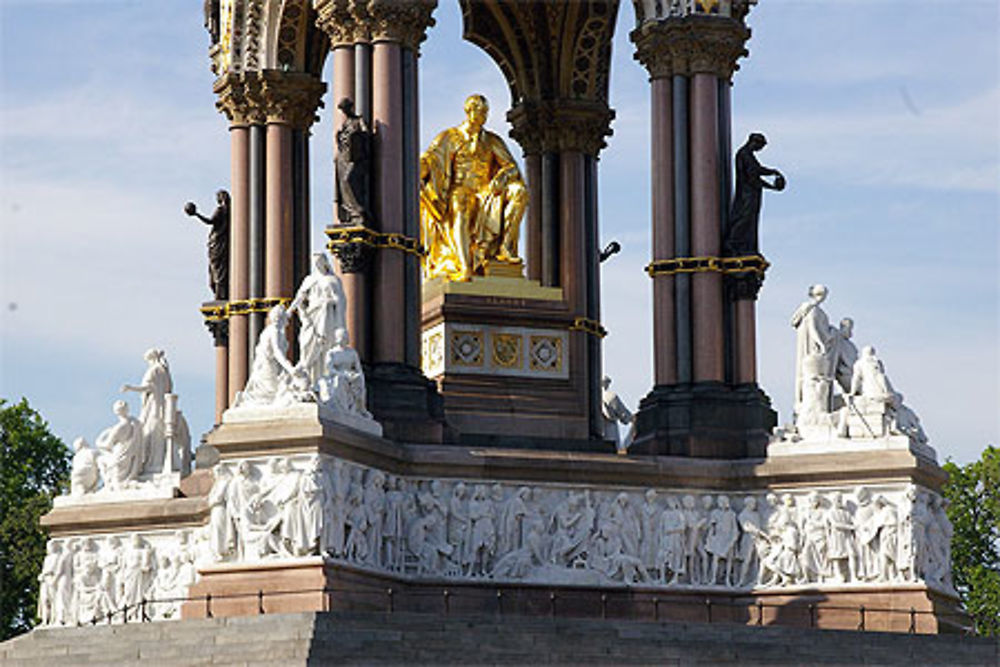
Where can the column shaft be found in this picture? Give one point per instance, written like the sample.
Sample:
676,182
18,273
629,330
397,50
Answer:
387,118
257,216
239,246
221,380
662,186
682,226
746,341
706,287
533,221
411,205
550,221
278,263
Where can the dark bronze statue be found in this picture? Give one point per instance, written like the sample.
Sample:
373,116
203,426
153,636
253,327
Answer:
218,244
352,162
744,216
213,23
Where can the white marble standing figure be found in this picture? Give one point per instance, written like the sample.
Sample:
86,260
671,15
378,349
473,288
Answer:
481,542
137,575
85,474
271,371
866,536
336,531
112,561
753,542
374,502
320,304
458,521
393,529
812,335
843,353
86,581
356,545
120,449
694,525
513,520
47,582
840,545
314,494
650,519
615,412
815,565
888,539
155,385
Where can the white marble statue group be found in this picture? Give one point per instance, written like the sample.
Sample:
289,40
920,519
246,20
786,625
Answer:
328,372
153,449
280,508
826,360
88,578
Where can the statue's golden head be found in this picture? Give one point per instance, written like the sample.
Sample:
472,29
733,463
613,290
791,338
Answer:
476,109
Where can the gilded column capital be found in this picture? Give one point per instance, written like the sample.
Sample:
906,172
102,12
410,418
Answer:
691,45
238,98
561,125
290,97
351,21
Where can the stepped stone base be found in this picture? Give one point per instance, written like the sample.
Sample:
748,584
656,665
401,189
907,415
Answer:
435,639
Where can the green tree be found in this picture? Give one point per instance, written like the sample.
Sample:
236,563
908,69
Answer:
974,492
34,467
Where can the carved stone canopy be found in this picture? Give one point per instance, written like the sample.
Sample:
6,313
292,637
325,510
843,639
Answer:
269,96
561,125
691,45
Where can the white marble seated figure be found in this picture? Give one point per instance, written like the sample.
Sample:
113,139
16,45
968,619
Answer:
85,475
271,372
120,449
872,392
342,385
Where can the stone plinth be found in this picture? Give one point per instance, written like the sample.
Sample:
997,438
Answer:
503,353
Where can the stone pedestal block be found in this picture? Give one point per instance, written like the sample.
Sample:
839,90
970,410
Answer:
704,420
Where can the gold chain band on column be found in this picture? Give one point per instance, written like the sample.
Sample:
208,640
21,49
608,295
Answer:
242,307
340,236
668,267
588,326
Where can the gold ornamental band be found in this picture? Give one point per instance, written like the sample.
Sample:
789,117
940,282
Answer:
242,307
348,235
669,267
589,326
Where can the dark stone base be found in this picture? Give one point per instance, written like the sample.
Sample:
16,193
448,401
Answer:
536,443
406,403
704,420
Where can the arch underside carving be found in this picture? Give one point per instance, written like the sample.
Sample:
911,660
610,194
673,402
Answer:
546,50
271,34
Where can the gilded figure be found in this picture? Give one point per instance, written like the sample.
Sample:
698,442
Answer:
472,199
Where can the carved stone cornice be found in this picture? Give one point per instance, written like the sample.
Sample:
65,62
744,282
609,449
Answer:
269,96
351,21
560,125
691,45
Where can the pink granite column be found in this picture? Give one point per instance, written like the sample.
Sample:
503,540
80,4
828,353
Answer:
387,119
533,219
355,283
706,287
662,187
746,341
239,256
573,272
221,379
278,225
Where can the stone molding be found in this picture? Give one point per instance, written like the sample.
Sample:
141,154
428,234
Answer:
347,22
560,125
269,96
691,45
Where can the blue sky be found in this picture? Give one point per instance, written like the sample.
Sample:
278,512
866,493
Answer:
883,114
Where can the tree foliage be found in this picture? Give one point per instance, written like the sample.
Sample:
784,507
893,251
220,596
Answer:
974,492
34,467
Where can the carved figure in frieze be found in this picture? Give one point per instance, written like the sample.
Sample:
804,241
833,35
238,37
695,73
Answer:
922,519
86,581
320,304
353,167
356,546
137,574
374,501
111,561
625,518
753,543
458,520
907,535
47,582
426,537
166,585
866,535
314,491
336,533
244,504
672,551
574,520
815,564
393,529
481,543
612,558
742,235
218,243
723,531
221,526
513,521
840,547
63,611
888,539
650,521
784,559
